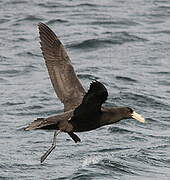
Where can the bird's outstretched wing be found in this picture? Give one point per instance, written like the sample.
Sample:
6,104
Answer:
88,112
93,99
64,80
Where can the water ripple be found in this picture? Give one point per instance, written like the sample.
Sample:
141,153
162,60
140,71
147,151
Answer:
118,38
125,45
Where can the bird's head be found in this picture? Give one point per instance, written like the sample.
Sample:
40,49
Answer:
130,113
114,114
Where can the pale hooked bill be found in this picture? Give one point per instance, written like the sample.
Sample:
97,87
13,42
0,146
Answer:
138,117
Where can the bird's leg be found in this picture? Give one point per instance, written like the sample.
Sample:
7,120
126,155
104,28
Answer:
74,137
43,157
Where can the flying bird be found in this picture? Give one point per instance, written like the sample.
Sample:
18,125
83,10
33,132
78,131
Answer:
83,111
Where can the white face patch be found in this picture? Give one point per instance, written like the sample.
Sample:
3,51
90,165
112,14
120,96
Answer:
138,117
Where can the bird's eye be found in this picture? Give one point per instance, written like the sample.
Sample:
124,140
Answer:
131,110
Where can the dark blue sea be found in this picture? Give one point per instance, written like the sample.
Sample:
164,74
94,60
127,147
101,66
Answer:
124,44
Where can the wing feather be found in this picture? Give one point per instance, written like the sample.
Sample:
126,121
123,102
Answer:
93,100
90,108
64,80
86,116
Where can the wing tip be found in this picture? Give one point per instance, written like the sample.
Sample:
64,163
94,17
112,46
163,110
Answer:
47,35
97,87
40,24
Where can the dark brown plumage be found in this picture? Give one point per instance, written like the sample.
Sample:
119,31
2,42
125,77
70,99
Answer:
86,116
82,111
64,80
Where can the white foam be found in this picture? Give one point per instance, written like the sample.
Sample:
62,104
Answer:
93,159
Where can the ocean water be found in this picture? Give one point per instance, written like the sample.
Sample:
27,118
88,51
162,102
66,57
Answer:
125,44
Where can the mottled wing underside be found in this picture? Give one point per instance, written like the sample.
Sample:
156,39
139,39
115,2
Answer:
64,80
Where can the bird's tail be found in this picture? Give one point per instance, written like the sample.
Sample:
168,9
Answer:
37,124
50,122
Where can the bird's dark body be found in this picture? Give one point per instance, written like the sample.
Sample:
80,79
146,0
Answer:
87,115
93,123
86,123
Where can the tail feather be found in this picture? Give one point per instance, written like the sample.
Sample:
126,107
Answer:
38,123
46,122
